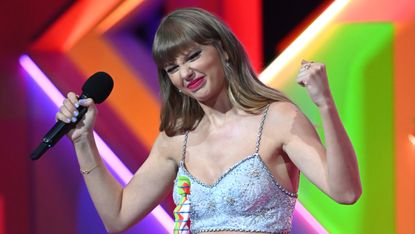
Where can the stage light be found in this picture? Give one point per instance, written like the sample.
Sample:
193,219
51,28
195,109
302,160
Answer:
302,41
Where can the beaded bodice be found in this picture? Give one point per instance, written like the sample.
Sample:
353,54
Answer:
245,198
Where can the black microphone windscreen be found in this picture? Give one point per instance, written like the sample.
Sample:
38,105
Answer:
98,87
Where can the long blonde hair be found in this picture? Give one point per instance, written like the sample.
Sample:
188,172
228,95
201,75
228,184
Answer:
177,32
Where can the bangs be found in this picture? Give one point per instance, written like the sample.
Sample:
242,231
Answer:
173,45
176,35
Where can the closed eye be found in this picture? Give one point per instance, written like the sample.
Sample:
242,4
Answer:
171,69
194,55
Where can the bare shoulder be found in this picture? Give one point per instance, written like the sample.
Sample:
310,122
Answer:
287,118
168,147
283,112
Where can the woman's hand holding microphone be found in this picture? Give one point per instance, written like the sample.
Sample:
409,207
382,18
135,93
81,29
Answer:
68,113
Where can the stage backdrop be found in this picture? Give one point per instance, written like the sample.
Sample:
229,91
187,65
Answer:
367,46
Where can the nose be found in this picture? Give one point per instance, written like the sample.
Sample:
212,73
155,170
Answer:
186,72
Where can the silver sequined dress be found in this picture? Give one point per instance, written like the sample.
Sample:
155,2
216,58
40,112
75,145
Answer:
246,198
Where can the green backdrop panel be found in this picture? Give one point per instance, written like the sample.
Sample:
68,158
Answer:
359,59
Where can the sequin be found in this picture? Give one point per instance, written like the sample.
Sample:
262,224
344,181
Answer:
246,198
239,201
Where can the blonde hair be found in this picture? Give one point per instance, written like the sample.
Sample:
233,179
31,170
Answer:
179,31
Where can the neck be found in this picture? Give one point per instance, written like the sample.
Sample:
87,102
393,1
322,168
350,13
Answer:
218,110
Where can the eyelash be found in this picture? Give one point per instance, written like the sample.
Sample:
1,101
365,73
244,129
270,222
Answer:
194,56
191,58
171,70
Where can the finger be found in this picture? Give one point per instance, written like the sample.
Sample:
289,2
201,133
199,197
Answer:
67,113
70,110
86,102
70,106
62,117
303,71
306,66
73,98
302,82
303,75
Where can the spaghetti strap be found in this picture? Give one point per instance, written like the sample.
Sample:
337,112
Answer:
186,135
261,127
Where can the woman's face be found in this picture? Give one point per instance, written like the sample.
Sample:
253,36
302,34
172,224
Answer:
198,72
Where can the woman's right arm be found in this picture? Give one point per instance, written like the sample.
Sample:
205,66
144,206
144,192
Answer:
119,207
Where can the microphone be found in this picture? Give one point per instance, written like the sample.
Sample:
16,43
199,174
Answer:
98,87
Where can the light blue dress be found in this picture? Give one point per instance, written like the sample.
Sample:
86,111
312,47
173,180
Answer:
246,198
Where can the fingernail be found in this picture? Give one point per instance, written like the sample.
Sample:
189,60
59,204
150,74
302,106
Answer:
76,113
68,120
76,104
82,101
73,119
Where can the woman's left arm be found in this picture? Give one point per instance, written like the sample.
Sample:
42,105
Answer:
339,173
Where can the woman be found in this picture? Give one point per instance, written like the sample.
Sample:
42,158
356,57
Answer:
239,144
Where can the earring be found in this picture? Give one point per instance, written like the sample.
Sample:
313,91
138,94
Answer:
180,91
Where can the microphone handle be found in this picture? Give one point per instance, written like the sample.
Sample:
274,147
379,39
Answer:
57,132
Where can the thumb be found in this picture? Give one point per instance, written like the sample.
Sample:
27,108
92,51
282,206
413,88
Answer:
86,102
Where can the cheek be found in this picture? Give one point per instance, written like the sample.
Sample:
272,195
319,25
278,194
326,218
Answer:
176,81
219,73
214,67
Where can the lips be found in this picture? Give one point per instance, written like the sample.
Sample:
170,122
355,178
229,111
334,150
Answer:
196,83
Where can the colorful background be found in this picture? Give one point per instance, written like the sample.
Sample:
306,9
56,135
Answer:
368,47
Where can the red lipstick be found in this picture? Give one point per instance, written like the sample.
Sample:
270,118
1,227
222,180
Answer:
196,83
